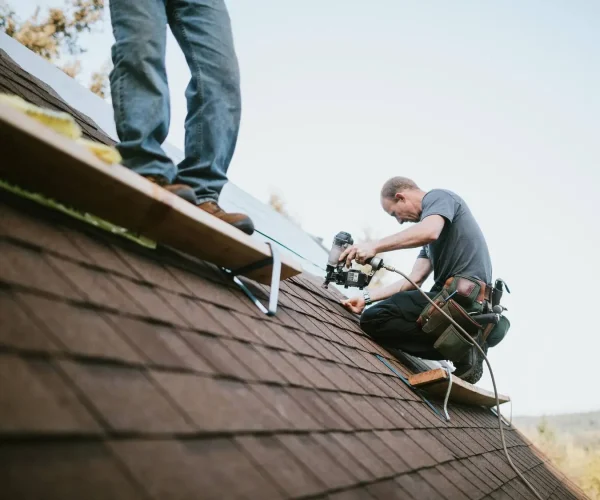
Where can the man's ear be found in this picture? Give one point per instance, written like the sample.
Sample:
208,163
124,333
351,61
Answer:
399,197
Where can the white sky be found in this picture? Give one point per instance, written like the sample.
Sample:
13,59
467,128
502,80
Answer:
497,101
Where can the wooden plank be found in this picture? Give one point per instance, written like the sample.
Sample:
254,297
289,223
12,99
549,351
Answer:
35,157
436,382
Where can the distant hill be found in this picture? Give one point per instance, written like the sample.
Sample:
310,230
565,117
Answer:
582,429
570,423
572,442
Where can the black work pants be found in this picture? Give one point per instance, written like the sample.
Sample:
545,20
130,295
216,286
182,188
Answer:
393,323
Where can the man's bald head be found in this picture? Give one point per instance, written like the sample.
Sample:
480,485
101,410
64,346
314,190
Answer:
401,198
397,185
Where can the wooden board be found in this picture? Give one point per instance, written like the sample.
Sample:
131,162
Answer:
436,382
36,158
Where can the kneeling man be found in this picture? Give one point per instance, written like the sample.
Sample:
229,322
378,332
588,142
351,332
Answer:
454,248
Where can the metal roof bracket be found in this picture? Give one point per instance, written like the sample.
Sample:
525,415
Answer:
275,261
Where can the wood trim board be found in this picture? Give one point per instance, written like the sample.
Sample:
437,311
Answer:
436,382
37,158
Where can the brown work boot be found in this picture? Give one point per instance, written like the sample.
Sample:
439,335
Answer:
241,221
184,192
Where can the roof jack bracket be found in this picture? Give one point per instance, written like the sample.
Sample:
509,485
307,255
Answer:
274,260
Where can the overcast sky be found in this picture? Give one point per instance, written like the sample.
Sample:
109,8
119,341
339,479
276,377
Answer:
497,101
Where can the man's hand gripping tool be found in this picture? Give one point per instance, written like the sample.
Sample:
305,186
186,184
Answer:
350,277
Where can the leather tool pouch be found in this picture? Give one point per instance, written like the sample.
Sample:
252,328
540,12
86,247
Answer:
451,344
467,292
448,340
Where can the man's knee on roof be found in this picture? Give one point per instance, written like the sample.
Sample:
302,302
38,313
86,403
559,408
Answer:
369,320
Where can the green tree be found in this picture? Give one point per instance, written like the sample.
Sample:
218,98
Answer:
55,34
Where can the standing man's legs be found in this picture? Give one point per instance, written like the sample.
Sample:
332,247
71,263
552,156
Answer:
140,93
203,30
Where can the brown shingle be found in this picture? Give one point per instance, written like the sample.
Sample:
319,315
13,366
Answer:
20,266
152,301
231,324
363,407
468,475
294,339
185,470
389,489
336,378
436,479
36,399
315,404
392,458
161,345
286,407
418,488
352,464
36,232
219,405
17,328
450,442
348,412
278,463
312,374
468,487
127,400
432,446
467,440
63,471
481,468
363,379
358,448
214,351
387,408
153,272
262,331
96,286
194,314
360,493
100,254
408,450
81,331
317,460
290,374
259,368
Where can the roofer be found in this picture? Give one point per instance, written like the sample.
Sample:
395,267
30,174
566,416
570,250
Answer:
140,96
454,247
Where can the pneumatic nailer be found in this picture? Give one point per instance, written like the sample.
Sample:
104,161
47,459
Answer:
350,277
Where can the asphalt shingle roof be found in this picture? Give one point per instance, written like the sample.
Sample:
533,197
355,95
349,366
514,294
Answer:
128,373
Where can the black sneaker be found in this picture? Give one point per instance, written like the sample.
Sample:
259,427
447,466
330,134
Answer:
470,367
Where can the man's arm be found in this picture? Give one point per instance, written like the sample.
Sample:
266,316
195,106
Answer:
420,272
421,234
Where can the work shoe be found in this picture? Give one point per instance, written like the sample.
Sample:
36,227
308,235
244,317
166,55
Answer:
241,221
470,367
184,192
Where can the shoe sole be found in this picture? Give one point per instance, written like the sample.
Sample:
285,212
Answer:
476,372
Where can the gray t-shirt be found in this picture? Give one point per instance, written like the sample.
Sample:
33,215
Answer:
461,247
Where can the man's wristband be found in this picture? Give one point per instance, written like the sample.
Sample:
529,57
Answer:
367,297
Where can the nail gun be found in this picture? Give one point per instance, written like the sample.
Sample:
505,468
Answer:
336,272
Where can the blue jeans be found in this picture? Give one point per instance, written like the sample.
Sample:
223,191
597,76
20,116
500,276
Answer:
140,93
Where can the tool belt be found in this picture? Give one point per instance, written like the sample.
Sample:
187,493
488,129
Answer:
460,296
